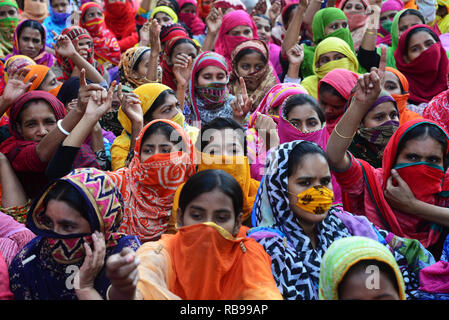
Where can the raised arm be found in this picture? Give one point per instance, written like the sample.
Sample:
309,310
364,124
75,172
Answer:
369,41
294,27
182,69
155,43
213,23
13,194
312,8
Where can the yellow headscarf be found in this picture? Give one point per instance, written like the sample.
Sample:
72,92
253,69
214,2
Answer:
166,10
443,22
331,44
25,61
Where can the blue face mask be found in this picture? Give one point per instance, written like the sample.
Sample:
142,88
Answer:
60,18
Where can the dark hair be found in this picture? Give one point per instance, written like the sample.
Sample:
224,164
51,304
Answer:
66,192
220,124
264,17
415,31
412,12
299,151
69,90
34,25
244,52
148,116
286,14
166,130
181,41
326,87
422,131
207,181
362,266
300,100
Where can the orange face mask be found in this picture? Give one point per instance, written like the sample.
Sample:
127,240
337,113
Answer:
55,91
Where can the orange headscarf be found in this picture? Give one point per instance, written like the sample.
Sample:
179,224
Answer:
205,262
401,99
148,187
39,70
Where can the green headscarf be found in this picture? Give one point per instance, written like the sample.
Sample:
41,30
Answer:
7,27
345,253
321,20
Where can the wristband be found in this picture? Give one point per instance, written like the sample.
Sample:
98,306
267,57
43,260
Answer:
61,128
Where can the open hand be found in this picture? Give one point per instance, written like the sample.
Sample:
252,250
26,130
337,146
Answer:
16,86
131,105
63,46
182,69
213,20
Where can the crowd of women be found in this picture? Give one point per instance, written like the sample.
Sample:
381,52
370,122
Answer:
224,149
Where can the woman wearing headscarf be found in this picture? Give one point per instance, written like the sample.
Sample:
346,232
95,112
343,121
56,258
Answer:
34,47
251,61
442,17
294,221
83,43
106,45
164,15
387,13
120,18
7,26
131,65
208,97
425,68
46,267
347,258
356,12
189,16
406,195
35,10
60,12
33,124
204,7
157,101
396,84
237,26
330,54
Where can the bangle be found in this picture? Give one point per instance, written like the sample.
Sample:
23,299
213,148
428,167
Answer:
107,293
341,136
61,128
370,32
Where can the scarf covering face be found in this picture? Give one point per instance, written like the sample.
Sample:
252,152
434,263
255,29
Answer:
105,215
168,77
148,187
321,20
193,21
7,27
43,57
106,46
34,10
399,223
265,77
428,73
76,34
343,81
241,266
345,253
226,43
384,36
295,263
357,23
200,111
369,143
56,22
120,18
330,44
203,10
401,99
167,10
128,63
17,62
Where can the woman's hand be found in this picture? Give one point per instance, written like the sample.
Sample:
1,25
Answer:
367,89
260,7
274,11
295,54
399,197
213,20
144,35
155,40
93,263
121,270
85,92
16,86
131,106
64,46
182,69
267,129
100,102
241,105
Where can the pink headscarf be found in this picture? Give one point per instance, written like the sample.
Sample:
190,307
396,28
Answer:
193,21
226,4
226,43
384,37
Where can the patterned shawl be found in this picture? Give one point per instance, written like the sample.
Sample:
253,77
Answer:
128,63
148,188
47,276
265,77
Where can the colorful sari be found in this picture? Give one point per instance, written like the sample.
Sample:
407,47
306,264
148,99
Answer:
7,27
41,271
265,78
128,63
148,187
106,46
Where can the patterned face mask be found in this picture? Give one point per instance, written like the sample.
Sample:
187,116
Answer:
212,94
316,200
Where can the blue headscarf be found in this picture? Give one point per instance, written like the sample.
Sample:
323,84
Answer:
56,22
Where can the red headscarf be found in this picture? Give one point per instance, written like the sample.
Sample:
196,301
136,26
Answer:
120,18
402,224
106,46
226,43
193,21
428,73
203,10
